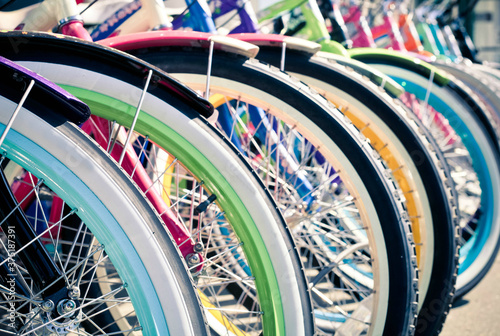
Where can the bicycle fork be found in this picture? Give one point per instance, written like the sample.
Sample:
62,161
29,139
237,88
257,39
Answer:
48,289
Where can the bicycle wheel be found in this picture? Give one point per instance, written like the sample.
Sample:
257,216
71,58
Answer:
115,226
411,153
255,229
322,130
479,219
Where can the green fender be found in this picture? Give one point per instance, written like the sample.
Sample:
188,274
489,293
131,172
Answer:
395,58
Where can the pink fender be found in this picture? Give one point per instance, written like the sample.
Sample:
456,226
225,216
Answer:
180,39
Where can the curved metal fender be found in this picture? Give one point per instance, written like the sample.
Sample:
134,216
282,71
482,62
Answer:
16,80
177,38
99,58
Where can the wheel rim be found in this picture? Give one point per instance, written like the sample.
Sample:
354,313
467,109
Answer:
142,295
235,212
321,315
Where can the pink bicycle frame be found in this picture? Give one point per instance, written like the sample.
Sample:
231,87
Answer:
391,29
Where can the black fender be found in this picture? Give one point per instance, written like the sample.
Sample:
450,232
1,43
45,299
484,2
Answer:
54,48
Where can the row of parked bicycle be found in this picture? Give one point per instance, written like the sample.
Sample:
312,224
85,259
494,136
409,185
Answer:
208,168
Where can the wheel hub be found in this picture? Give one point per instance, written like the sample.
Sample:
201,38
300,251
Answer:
62,318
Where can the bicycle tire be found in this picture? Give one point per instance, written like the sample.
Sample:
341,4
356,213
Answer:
84,176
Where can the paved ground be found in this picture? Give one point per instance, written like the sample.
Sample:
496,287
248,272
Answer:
478,312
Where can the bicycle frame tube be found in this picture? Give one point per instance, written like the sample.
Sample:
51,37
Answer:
278,9
230,8
137,16
131,18
439,39
411,37
363,36
467,48
390,29
197,16
428,40
45,16
34,256
452,43
140,16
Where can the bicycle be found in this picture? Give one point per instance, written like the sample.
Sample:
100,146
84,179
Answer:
47,279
